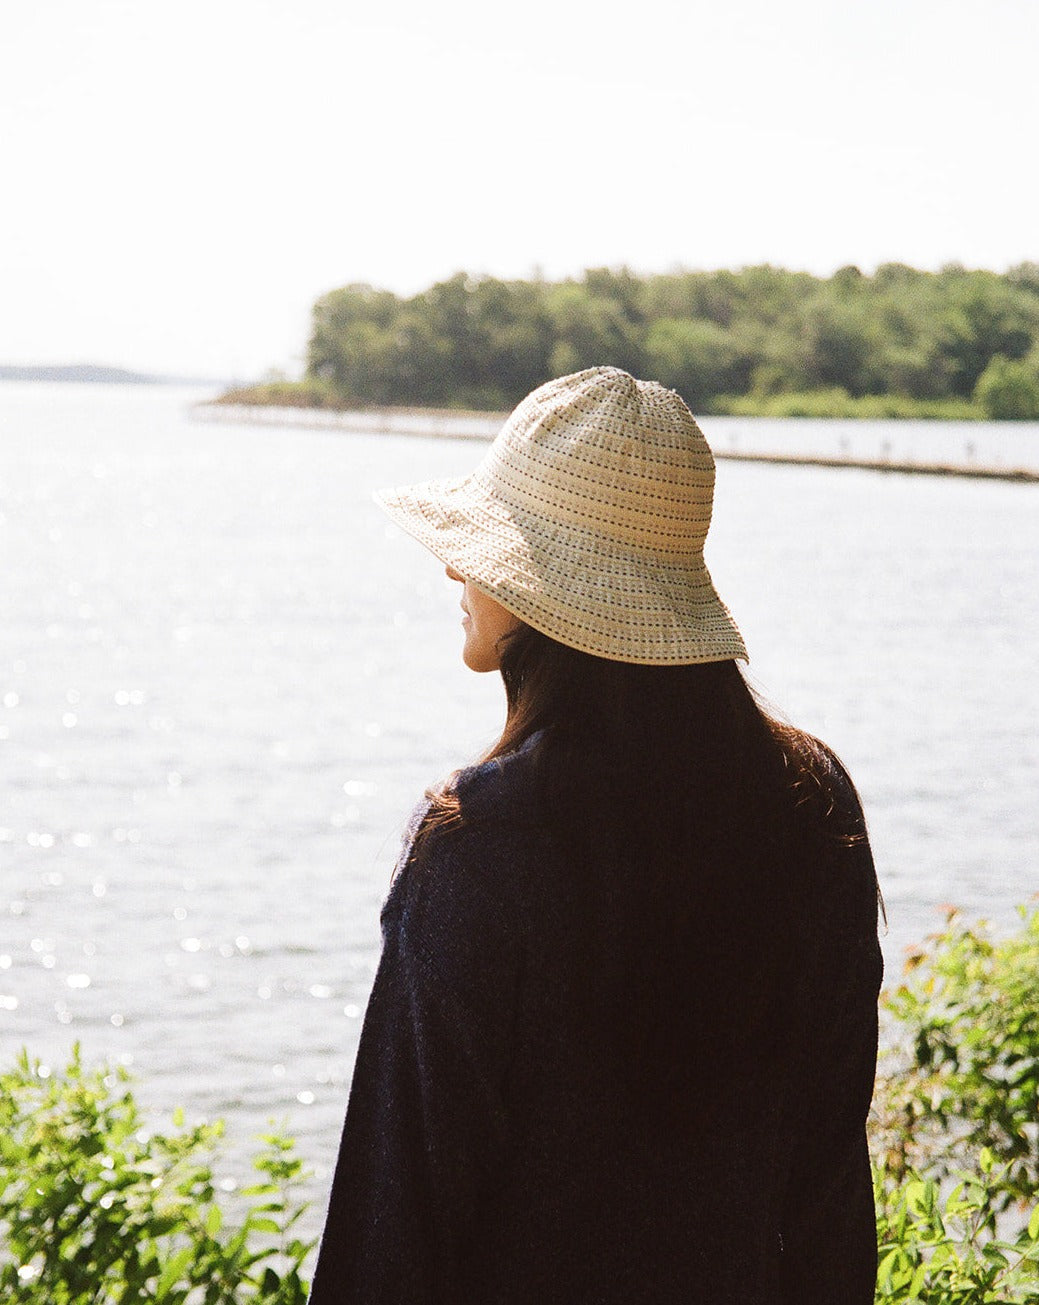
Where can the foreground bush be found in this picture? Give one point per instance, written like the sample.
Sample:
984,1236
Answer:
95,1209
956,1127
951,1249
966,1060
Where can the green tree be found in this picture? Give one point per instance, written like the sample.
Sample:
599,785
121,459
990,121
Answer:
516,334
417,367
762,331
838,345
1025,276
590,330
351,341
696,358
1008,390
983,315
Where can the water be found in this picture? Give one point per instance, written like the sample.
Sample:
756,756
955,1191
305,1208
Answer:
1004,447
225,678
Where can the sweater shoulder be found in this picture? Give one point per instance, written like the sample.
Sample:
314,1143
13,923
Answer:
500,792
482,863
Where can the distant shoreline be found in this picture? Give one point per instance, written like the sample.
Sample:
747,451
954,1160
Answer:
98,374
448,423
829,405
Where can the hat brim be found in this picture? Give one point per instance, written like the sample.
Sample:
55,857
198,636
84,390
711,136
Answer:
598,596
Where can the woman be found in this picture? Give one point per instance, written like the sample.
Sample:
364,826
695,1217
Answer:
622,1039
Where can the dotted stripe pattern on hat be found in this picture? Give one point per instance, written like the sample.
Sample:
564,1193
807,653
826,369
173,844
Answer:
587,519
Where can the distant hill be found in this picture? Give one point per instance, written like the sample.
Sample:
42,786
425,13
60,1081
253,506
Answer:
93,372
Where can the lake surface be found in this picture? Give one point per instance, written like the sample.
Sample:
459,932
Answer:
225,678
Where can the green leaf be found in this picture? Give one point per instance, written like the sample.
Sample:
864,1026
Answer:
264,1225
172,1271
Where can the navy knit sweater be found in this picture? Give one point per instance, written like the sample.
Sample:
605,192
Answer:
495,1151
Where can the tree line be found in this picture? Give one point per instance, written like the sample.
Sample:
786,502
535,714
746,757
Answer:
721,338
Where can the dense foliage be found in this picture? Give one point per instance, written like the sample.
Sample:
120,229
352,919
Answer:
96,1209
966,1077
965,336
952,1249
956,1122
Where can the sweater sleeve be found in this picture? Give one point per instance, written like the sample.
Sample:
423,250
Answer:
426,1121
828,1229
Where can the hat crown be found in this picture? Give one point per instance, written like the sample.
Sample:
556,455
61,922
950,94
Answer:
600,450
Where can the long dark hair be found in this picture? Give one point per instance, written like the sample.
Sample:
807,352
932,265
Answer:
652,754
690,820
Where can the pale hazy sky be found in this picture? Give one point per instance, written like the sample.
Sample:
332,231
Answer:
181,180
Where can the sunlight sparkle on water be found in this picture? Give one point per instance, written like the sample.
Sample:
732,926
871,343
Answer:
359,788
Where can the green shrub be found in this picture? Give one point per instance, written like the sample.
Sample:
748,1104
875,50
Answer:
1008,389
838,403
96,1209
949,1251
311,392
956,1121
967,1036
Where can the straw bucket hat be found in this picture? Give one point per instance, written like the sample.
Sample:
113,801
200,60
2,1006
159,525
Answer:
586,519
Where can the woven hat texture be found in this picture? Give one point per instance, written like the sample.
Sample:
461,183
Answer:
586,518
